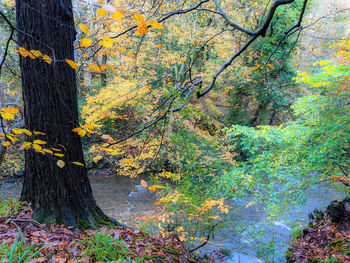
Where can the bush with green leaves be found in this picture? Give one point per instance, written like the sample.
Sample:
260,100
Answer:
281,162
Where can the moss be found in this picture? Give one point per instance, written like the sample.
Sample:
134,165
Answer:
83,224
44,218
170,250
153,257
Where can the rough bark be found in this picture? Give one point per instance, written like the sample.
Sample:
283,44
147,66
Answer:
50,106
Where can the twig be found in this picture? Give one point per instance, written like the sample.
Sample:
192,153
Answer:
28,221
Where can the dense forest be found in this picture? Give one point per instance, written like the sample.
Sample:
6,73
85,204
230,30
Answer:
174,131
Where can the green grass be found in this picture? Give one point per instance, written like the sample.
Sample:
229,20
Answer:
19,252
9,208
102,246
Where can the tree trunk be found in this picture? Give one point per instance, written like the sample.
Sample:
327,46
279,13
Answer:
60,195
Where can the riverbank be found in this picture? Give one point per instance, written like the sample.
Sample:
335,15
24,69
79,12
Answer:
326,239
24,239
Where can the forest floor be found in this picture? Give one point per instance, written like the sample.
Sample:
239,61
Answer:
24,240
325,240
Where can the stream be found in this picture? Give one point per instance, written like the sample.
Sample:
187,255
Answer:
125,200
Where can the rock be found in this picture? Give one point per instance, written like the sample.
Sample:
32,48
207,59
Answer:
140,188
134,194
140,192
336,211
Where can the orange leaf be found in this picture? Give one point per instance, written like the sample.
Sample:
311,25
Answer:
84,28
127,161
81,132
141,29
97,158
72,64
153,188
7,143
94,68
23,52
144,184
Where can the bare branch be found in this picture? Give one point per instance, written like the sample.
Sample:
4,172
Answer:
6,49
228,20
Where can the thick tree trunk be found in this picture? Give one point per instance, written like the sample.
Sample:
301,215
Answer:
50,106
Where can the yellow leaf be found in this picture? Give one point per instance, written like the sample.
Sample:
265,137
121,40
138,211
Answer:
118,15
144,184
78,163
85,42
48,151
139,18
155,24
37,147
10,110
57,150
60,163
106,149
29,133
58,154
7,116
72,64
38,133
107,42
23,52
39,142
101,12
6,143
141,29
25,146
127,161
17,131
97,158
103,67
84,28
94,68
13,139
47,59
